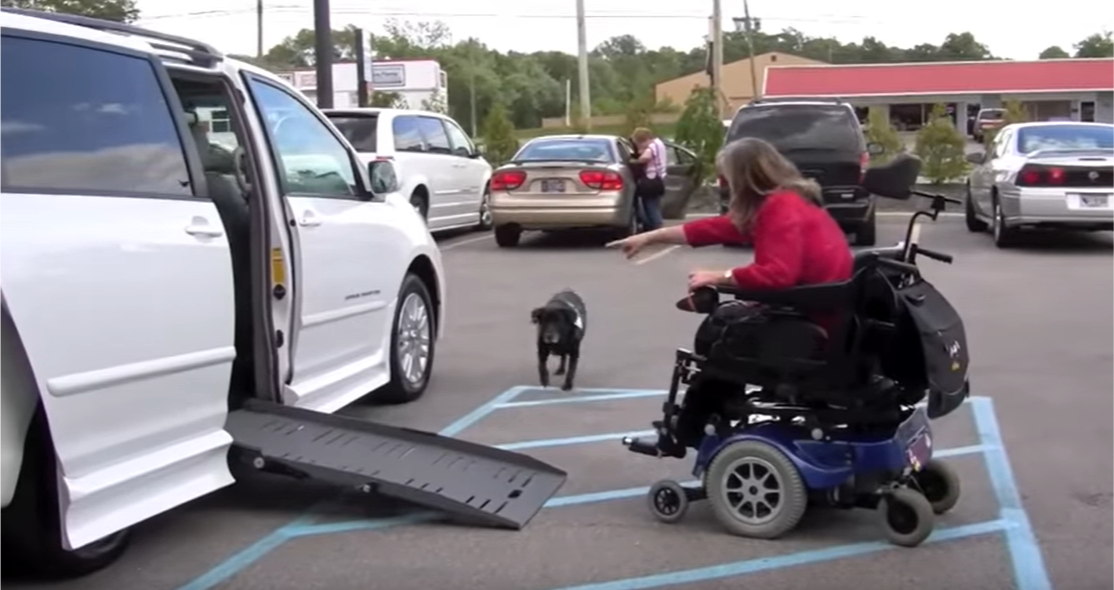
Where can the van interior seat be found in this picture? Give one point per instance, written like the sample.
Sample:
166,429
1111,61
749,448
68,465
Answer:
233,208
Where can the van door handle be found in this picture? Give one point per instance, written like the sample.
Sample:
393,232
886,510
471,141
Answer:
309,220
199,227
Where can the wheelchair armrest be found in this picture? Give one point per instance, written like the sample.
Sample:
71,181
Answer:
827,296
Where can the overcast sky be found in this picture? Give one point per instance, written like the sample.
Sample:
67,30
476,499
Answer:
1010,29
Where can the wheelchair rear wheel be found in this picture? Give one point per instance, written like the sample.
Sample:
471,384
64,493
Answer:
755,490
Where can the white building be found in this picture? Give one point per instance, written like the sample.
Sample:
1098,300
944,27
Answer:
416,81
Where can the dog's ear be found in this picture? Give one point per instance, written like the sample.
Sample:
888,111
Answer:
536,315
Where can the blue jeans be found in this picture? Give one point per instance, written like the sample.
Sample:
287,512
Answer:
650,192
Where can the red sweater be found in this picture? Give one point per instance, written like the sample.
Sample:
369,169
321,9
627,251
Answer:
795,243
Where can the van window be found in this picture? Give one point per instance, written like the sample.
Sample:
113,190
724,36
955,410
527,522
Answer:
436,140
408,137
799,127
86,121
359,130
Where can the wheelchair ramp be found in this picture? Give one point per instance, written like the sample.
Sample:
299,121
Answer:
473,482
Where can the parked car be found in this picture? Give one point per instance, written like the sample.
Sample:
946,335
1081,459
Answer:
824,139
171,311
441,171
1041,175
987,120
564,182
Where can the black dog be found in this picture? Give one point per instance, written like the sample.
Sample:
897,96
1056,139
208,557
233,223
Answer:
561,325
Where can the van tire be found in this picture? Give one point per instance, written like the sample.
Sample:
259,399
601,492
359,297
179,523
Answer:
400,389
866,233
31,525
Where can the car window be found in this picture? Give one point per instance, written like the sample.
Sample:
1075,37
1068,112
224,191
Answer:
458,140
408,138
85,120
684,157
580,150
799,127
434,136
311,160
996,115
671,157
359,130
1065,137
1001,143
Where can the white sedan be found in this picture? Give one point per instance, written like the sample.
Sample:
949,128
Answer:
1043,175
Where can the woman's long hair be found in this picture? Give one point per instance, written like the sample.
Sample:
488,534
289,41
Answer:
754,170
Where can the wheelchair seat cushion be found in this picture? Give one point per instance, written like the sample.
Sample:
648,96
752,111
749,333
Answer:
753,331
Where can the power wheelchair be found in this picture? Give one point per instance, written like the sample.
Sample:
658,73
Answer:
815,395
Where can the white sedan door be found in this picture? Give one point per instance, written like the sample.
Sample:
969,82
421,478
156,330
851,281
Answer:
350,256
118,277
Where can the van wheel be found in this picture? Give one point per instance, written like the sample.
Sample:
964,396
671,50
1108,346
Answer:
507,236
412,343
485,211
31,525
420,204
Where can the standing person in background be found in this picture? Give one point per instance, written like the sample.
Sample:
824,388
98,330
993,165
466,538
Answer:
651,188
638,171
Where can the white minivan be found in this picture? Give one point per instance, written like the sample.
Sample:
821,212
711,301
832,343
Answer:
196,270
440,170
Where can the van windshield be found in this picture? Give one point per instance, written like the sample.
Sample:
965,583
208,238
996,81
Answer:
799,127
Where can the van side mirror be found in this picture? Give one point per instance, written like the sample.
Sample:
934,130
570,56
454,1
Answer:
384,177
976,158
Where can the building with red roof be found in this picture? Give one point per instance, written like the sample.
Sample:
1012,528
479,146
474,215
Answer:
1078,89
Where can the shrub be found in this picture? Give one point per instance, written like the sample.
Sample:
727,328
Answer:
700,128
499,141
942,148
881,131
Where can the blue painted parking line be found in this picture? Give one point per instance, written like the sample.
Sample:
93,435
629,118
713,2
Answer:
577,399
1025,553
573,440
1028,564
750,566
245,558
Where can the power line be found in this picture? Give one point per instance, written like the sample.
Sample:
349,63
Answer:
834,19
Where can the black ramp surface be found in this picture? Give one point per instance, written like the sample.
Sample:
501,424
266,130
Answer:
479,483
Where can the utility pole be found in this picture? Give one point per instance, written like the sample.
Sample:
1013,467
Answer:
582,59
323,53
259,28
472,96
717,55
756,92
362,69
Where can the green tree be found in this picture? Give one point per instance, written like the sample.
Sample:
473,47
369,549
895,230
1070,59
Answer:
387,100
498,135
699,128
1054,52
435,103
638,115
942,148
881,131
1097,45
124,11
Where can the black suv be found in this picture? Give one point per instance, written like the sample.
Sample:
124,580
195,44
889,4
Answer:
824,139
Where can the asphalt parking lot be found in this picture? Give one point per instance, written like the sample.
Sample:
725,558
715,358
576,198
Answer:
1031,447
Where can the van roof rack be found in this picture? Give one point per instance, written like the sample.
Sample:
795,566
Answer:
181,49
776,99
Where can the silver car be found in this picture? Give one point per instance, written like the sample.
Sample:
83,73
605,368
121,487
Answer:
1056,175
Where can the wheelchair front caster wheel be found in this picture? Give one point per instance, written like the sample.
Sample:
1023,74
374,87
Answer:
907,517
940,485
668,501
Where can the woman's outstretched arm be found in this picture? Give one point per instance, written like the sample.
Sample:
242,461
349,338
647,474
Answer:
711,231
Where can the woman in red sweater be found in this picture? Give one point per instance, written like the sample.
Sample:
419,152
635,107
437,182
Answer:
795,243
773,208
